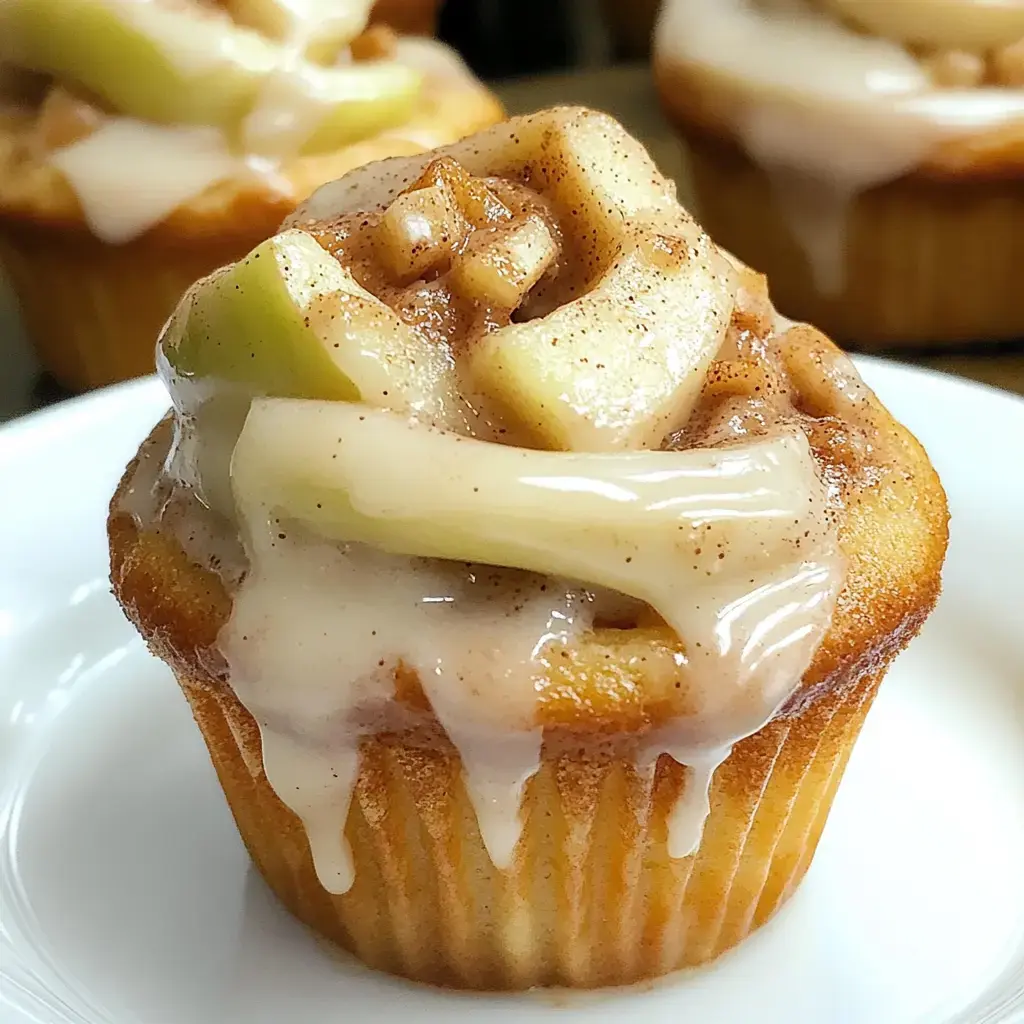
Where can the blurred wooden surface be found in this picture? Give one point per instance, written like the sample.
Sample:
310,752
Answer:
628,94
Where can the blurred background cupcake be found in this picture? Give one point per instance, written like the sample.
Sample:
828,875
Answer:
144,144
867,155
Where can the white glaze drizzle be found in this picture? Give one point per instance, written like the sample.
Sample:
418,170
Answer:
318,629
129,175
314,640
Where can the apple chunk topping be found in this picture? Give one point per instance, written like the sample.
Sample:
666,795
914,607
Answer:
419,230
579,297
503,266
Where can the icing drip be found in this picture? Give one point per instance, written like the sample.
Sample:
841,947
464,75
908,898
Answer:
317,634
319,630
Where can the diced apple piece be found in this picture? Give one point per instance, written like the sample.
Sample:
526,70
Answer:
289,320
506,264
476,202
147,61
622,365
320,29
307,109
417,231
647,524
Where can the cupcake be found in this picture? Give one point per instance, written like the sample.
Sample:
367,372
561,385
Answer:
528,577
868,156
143,143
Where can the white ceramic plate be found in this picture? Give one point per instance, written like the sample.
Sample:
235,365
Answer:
128,899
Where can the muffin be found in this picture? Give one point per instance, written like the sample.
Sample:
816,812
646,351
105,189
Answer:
153,142
528,577
869,157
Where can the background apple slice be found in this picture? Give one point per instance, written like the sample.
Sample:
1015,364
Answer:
319,29
305,108
145,60
944,24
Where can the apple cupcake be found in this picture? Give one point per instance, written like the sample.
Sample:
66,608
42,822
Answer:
529,579
143,143
868,156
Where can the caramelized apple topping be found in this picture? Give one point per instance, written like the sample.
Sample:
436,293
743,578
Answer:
961,69
555,260
455,255
956,69
500,265
475,200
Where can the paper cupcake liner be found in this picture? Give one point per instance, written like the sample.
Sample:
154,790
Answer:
926,262
93,311
592,898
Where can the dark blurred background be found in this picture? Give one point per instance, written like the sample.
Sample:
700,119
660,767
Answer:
503,39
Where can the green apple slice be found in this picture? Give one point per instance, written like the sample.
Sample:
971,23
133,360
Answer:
319,29
145,60
289,320
623,364
653,525
307,109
